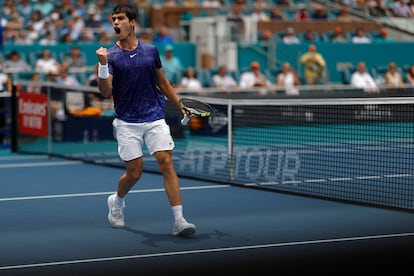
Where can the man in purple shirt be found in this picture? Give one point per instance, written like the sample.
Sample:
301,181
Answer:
130,72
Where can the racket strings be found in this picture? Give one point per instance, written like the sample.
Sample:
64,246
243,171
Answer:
196,107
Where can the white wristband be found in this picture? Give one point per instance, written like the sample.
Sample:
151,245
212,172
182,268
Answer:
103,72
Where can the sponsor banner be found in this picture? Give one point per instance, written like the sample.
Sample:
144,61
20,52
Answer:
32,114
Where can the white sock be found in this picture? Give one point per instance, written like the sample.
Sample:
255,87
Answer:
177,212
119,200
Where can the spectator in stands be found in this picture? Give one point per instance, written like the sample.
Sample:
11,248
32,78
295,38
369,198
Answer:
71,29
163,36
80,7
146,36
360,36
47,39
383,37
87,36
236,13
93,20
15,63
66,38
34,88
78,23
264,4
362,79
392,77
289,79
7,8
236,22
290,37
315,65
259,14
56,17
190,80
56,94
49,27
101,7
401,9
302,13
338,36
45,62
106,26
16,22
25,8
67,7
171,65
266,36
104,38
223,80
309,36
254,77
211,4
23,38
276,14
410,75
9,35
52,73
37,21
320,14
30,33
66,79
344,16
45,7
377,8
74,60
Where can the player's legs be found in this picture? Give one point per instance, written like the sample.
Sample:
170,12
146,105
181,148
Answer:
133,172
130,140
172,188
171,183
160,143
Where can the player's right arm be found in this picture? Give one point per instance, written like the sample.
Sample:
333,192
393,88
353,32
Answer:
104,78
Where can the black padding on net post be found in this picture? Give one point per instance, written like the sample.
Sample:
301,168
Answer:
14,121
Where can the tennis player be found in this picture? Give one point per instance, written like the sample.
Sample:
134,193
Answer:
130,72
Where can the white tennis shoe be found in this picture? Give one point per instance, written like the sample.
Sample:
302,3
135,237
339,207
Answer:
116,212
183,229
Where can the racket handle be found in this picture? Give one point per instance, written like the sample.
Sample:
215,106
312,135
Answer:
184,121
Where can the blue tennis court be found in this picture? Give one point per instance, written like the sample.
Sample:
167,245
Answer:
54,222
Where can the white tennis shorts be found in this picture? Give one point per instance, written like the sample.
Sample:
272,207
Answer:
131,137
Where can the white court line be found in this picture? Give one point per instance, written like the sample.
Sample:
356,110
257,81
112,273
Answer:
106,193
211,250
23,157
40,164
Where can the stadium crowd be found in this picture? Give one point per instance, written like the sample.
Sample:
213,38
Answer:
42,22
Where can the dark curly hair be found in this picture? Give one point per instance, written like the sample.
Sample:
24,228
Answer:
129,11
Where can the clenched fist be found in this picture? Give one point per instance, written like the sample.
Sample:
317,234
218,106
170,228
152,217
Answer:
102,54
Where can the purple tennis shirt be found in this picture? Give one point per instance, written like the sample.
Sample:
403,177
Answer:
136,96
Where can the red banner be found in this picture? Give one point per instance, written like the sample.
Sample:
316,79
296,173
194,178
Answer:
33,114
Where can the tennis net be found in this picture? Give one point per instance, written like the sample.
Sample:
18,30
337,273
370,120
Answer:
354,149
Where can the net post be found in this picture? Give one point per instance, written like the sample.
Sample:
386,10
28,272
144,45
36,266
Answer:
14,142
49,122
230,140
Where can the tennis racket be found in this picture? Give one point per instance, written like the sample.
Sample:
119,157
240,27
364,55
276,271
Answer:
194,108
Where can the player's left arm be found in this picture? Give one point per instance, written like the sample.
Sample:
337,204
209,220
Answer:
166,88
